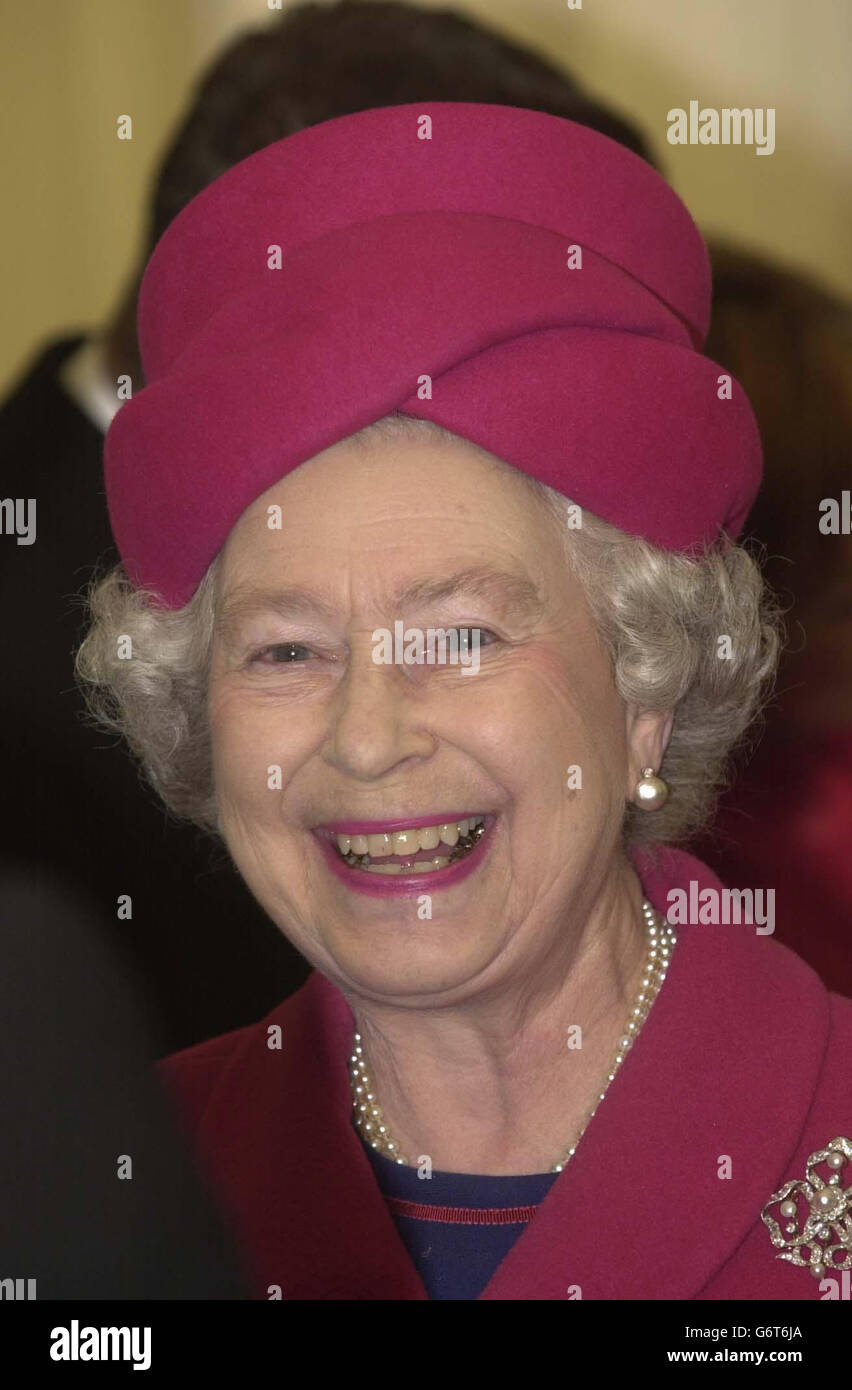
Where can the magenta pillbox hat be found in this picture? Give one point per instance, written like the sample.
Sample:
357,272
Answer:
520,279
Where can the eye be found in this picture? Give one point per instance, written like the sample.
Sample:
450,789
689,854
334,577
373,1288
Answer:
280,654
466,637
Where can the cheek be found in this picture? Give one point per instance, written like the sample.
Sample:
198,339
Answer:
250,755
562,712
574,762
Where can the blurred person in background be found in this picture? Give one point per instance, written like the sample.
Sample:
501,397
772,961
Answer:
98,1197
79,806
790,344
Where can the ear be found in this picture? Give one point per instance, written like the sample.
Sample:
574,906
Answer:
648,734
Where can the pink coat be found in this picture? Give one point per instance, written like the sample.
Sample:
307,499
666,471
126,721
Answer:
745,1054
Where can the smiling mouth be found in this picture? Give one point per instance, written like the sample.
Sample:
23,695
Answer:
423,850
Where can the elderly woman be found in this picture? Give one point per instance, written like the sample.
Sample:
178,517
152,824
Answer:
436,370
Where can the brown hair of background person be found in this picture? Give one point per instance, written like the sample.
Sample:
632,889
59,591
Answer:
792,341
789,342
80,809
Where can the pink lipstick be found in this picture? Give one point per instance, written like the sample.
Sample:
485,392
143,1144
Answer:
403,884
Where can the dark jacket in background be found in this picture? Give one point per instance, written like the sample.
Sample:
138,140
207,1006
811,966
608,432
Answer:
74,803
98,1195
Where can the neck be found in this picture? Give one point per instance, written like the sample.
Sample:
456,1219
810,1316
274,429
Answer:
496,1084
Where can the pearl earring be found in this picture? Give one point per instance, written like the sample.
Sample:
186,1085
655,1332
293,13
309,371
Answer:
651,792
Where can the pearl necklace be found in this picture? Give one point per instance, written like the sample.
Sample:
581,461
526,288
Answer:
660,941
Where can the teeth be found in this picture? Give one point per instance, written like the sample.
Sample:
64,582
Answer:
430,837
423,866
407,842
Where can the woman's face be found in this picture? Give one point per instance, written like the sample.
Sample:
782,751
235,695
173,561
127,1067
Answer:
433,535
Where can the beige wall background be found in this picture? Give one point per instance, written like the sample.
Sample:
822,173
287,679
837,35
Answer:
75,193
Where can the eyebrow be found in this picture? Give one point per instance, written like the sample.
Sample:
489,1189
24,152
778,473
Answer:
502,587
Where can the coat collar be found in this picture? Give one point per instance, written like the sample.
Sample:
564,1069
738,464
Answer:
639,1212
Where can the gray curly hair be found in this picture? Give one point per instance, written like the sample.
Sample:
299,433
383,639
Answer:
662,616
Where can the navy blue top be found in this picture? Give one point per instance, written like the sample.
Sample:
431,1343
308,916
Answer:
457,1227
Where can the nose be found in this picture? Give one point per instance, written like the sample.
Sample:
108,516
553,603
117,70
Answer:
374,718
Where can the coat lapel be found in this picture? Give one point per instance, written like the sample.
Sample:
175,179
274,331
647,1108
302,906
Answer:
305,1204
640,1212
